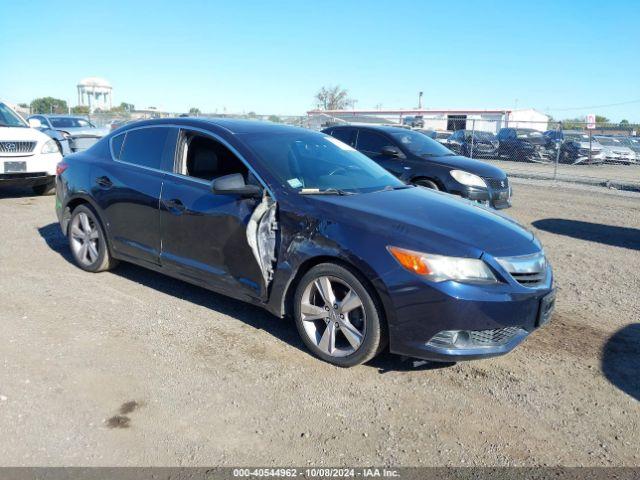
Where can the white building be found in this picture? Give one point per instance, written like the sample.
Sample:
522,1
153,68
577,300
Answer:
95,93
445,119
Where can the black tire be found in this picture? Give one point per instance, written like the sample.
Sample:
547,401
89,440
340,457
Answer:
45,188
103,261
375,334
423,182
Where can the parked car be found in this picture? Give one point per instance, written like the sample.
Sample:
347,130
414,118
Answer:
473,144
78,131
416,121
634,144
575,147
28,158
417,159
615,150
300,223
523,145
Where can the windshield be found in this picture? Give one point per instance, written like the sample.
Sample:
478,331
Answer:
308,160
421,145
528,133
576,137
612,142
8,118
485,136
69,122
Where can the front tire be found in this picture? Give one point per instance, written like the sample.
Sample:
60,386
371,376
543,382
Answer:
426,183
88,242
337,317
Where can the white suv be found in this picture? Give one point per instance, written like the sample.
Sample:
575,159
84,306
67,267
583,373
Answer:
27,157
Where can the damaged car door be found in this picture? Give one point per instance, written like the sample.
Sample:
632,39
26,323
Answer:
218,226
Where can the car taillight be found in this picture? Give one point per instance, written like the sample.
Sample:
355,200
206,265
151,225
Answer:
61,167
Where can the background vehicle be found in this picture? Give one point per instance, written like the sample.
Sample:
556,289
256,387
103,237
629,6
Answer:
634,144
417,159
299,223
575,147
27,157
523,145
615,150
79,132
414,121
468,142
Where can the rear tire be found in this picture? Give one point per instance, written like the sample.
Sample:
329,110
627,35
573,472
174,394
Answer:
88,242
45,189
426,183
337,317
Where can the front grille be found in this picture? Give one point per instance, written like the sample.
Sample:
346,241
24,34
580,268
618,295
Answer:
14,176
528,270
18,146
496,184
498,336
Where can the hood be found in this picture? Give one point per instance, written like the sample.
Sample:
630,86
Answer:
476,167
426,220
22,134
85,131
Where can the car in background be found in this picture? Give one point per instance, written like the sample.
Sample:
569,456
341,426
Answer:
473,143
615,150
634,144
305,226
523,145
79,132
419,160
437,135
414,121
576,148
28,157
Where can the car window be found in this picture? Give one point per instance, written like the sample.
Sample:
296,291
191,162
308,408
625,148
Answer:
203,157
345,135
421,145
145,146
116,145
372,142
8,118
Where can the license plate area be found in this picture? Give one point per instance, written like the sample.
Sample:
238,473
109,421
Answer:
15,167
547,305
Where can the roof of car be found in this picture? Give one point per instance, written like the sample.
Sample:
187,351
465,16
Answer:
232,125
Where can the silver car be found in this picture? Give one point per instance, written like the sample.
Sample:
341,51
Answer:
615,150
78,131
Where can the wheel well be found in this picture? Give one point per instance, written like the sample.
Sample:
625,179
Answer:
312,262
434,180
71,206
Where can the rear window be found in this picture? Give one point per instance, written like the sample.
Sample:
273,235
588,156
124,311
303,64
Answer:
116,145
145,146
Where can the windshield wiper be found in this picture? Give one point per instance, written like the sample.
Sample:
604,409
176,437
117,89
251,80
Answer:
326,191
389,188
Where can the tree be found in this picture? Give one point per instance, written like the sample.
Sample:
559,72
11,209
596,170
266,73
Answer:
48,105
334,98
123,108
80,110
601,119
23,105
275,119
194,111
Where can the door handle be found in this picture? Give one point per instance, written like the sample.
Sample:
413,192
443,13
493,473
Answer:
104,182
175,206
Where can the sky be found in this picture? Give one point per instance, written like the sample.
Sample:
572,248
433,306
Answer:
564,58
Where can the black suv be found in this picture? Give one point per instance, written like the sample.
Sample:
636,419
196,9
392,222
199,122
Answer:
473,144
415,158
524,145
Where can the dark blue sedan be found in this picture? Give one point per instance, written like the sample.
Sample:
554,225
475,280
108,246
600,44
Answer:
303,225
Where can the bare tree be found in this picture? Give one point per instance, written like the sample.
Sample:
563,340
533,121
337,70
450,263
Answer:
334,98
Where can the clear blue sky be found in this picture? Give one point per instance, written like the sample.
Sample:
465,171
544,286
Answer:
272,56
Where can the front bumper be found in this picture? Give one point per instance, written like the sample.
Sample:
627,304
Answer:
495,198
32,179
423,310
28,170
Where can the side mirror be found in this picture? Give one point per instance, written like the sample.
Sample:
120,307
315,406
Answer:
234,184
35,123
390,151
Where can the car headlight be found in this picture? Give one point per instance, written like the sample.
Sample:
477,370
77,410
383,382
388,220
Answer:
466,178
438,268
50,147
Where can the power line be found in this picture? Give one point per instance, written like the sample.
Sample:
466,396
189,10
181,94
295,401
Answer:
594,106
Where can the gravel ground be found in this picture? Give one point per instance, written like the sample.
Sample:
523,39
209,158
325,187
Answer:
133,368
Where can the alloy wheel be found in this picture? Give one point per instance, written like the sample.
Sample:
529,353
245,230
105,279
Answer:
85,239
333,316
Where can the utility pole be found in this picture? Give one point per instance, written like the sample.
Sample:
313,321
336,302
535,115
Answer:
420,100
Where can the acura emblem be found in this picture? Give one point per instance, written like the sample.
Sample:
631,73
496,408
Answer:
11,146
502,183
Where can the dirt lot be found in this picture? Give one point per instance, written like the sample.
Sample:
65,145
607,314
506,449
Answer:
133,368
